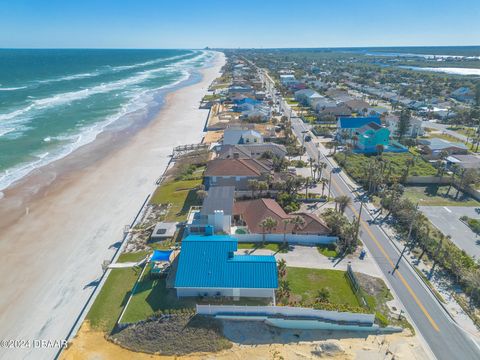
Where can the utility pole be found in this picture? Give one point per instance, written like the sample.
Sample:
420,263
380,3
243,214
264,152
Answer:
329,183
408,239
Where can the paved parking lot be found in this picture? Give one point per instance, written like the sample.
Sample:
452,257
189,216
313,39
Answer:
447,220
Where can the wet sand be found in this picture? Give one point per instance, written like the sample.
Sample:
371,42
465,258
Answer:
59,224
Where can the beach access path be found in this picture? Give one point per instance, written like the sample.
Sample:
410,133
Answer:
52,254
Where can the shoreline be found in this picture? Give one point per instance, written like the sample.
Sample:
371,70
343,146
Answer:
54,264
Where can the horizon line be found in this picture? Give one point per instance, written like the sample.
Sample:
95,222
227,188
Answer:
234,48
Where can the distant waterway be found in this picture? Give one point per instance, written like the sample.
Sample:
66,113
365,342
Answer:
447,70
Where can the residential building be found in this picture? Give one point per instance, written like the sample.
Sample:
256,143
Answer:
287,79
307,96
463,94
433,148
370,136
322,102
357,106
335,110
208,266
217,208
415,129
247,151
464,161
250,213
347,126
234,172
235,135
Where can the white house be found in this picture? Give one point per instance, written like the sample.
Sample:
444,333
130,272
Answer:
415,130
307,96
287,79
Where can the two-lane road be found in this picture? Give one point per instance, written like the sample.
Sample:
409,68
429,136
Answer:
445,339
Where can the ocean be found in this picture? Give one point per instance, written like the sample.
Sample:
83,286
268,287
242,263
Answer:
53,101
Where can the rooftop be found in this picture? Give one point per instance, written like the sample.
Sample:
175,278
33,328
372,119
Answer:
235,167
219,198
210,262
357,122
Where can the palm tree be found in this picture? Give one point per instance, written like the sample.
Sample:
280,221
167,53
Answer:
253,185
409,163
355,140
308,182
298,223
342,201
380,148
347,151
324,182
321,166
202,194
323,295
286,222
262,186
283,288
282,268
268,224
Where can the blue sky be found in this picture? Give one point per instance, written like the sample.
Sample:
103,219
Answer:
246,23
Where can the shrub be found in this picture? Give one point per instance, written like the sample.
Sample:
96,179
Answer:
381,319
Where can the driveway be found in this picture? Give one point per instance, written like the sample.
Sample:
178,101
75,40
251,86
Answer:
309,257
447,220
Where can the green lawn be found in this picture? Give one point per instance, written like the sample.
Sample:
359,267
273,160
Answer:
133,256
114,293
151,295
328,250
275,247
467,131
434,195
305,283
356,164
180,194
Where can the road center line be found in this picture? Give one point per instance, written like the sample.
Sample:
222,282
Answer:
400,276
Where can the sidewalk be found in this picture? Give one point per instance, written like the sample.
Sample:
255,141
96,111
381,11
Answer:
441,283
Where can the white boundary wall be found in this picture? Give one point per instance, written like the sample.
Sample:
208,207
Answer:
364,319
290,238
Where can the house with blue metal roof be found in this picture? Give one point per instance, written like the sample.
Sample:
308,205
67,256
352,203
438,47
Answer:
347,126
208,266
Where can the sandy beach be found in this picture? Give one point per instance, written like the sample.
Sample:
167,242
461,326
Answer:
91,344
54,237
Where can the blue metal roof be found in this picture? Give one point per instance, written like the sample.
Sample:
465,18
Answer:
209,262
357,122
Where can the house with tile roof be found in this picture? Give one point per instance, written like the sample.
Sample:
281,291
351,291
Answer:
250,213
246,151
234,172
209,266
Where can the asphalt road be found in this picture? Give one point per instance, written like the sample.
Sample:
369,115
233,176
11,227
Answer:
443,128
444,338
447,219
